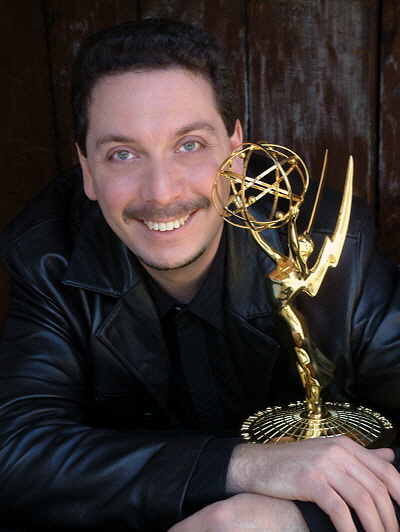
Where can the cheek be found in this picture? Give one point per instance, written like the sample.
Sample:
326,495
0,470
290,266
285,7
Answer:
111,197
114,186
203,178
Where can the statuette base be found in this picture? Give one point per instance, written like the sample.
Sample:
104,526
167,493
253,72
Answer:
285,424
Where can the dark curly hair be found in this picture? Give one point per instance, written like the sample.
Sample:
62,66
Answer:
149,44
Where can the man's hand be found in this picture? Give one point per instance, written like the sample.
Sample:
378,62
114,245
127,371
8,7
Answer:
245,512
335,473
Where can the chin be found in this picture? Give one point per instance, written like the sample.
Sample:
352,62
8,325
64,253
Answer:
173,264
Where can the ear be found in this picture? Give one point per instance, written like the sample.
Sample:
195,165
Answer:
237,137
87,176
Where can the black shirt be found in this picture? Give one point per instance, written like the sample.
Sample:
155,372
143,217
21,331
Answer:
204,385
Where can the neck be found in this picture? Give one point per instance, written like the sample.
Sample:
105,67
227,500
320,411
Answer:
181,284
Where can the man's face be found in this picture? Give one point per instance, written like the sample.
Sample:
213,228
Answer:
155,142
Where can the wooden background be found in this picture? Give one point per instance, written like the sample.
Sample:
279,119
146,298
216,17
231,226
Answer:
311,74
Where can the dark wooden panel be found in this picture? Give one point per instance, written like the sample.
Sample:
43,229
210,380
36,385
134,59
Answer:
389,183
313,83
68,24
27,156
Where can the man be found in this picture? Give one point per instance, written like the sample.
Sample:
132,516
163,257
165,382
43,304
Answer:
141,334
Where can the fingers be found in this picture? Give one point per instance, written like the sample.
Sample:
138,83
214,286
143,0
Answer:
354,476
374,511
379,461
377,482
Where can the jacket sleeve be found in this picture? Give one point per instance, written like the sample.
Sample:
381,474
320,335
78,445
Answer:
57,470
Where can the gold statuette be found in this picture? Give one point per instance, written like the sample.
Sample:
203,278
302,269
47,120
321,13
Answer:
284,178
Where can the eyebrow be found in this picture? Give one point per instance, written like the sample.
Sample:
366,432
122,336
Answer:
107,139
195,126
121,139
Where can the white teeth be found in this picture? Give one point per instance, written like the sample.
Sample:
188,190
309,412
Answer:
166,226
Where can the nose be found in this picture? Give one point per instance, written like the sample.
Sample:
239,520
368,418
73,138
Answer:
161,182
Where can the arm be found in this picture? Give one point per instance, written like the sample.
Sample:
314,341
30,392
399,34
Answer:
336,478
335,473
245,511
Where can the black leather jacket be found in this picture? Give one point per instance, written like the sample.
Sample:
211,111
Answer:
86,439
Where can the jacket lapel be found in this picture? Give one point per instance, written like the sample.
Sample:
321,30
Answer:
100,261
247,269
132,330
250,322
133,333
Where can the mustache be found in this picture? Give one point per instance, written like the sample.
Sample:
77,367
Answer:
174,210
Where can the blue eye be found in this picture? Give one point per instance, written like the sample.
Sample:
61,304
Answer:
189,146
123,155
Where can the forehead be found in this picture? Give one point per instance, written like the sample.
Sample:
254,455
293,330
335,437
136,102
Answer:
149,92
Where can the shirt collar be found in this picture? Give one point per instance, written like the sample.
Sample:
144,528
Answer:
207,304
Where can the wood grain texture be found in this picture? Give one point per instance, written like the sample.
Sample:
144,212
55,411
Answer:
389,173
28,158
28,155
313,83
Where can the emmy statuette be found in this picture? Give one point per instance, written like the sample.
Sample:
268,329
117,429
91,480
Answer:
312,417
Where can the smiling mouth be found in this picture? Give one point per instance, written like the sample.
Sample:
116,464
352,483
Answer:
166,226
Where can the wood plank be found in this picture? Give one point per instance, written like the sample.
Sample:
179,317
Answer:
313,83
389,180
27,156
